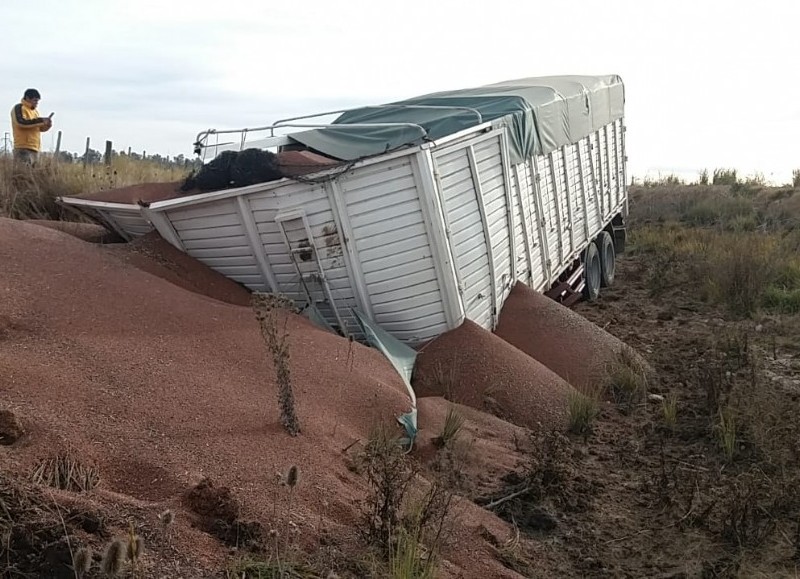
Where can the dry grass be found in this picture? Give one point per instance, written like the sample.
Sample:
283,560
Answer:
582,411
66,471
627,379
669,409
453,423
726,433
30,193
744,270
276,337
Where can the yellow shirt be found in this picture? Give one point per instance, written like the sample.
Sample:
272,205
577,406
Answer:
27,127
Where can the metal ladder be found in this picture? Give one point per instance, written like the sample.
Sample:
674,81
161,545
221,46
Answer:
303,253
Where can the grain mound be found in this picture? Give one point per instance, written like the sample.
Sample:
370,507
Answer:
473,367
153,254
567,343
161,388
91,232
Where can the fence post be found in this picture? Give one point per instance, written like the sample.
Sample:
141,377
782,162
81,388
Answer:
108,153
58,145
86,154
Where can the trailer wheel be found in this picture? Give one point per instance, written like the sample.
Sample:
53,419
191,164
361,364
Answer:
608,259
592,271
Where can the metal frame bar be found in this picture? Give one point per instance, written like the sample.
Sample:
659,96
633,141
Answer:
525,216
256,246
78,202
595,195
598,175
430,196
542,222
103,216
202,135
568,188
512,242
557,205
345,231
607,159
476,181
476,112
164,227
584,196
624,165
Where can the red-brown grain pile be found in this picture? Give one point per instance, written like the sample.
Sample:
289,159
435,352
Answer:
564,341
473,367
161,387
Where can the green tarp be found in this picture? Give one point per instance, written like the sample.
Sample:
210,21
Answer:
544,114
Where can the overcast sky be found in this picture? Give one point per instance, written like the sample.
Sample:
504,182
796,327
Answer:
708,83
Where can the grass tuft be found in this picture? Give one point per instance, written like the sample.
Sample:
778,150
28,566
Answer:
726,433
627,379
66,472
669,409
453,424
582,411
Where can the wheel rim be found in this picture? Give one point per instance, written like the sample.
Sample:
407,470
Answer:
610,262
594,274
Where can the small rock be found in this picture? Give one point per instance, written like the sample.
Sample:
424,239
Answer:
655,397
759,327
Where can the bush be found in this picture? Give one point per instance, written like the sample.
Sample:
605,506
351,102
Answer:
739,270
781,300
724,177
31,192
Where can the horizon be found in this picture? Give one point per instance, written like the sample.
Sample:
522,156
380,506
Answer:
705,87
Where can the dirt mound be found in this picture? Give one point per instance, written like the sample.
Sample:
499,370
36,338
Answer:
564,341
473,367
151,253
161,388
91,232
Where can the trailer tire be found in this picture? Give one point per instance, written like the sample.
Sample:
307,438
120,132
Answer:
592,273
608,259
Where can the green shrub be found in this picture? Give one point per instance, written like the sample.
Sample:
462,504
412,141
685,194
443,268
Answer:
785,301
724,177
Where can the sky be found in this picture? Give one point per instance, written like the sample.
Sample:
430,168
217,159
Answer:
708,83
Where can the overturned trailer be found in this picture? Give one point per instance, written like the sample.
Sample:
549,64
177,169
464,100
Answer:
418,214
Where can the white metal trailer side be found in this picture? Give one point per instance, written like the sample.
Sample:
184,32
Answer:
417,239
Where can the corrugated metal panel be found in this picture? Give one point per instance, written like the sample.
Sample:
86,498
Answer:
546,187
460,203
131,221
577,198
535,232
521,224
593,202
597,173
619,161
393,249
213,233
602,151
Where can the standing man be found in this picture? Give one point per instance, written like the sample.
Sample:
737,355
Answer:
28,127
